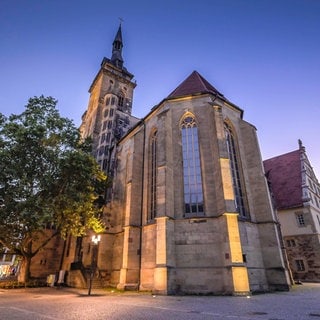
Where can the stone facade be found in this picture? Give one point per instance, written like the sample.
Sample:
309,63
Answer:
196,254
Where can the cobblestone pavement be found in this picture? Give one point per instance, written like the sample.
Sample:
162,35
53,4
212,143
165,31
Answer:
302,302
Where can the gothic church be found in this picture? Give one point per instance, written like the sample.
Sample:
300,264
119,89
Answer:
189,210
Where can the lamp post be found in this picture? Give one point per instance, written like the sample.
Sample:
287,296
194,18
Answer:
94,257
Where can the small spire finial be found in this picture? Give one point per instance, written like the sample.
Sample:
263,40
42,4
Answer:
121,20
301,146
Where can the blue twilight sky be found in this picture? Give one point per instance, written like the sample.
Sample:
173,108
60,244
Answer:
263,55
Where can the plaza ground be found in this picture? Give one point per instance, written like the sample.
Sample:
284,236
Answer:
302,302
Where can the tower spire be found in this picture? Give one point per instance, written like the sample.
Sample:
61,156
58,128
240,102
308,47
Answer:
117,45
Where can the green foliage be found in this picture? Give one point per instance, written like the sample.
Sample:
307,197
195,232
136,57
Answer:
47,177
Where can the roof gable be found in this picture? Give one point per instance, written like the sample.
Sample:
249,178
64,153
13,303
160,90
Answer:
194,84
284,174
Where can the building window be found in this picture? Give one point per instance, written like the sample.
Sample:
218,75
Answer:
291,243
120,100
107,101
113,100
235,171
108,137
318,220
102,138
104,164
192,180
106,112
101,150
109,124
104,127
153,176
300,220
300,265
317,203
111,113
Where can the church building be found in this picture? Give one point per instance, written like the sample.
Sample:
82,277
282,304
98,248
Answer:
189,210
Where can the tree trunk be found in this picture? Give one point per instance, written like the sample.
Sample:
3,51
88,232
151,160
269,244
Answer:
24,274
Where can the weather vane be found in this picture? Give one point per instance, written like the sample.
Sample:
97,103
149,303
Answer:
121,20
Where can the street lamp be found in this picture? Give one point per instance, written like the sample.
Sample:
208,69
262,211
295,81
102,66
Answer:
94,257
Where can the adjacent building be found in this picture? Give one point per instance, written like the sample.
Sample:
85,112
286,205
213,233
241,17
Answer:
296,194
189,210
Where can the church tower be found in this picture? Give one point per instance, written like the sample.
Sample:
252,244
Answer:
108,116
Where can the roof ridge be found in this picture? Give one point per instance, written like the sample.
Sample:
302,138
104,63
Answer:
195,83
201,78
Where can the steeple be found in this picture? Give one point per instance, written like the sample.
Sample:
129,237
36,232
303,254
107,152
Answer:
117,45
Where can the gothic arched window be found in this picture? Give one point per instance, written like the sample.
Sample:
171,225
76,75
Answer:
153,176
192,180
235,171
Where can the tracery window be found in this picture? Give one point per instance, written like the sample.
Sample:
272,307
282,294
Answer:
153,176
235,171
192,180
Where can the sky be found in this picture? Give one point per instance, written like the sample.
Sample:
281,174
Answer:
263,55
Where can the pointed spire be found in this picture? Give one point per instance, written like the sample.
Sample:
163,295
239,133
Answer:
117,45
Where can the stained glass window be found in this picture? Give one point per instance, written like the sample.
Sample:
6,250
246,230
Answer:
235,171
153,176
193,194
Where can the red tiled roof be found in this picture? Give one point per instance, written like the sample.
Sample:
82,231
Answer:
284,174
194,84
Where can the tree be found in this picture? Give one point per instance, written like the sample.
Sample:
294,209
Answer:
47,177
